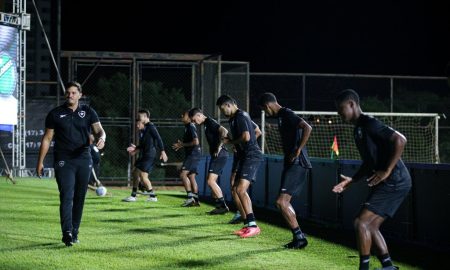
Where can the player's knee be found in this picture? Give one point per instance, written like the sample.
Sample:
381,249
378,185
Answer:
280,203
360,224
241,190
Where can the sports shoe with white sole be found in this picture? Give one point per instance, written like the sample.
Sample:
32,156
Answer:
188,202
129,199
152,199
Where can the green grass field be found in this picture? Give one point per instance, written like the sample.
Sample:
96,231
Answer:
141,235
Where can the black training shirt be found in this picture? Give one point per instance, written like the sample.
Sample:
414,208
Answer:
190,133
213,135
72,129
240,123
372,138
291,135
149,138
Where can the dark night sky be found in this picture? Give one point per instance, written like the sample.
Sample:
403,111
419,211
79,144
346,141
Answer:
411,38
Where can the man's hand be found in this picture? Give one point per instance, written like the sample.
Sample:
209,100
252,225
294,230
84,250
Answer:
163,156
177,146
131,149
100,143
343,185
39,170
377,177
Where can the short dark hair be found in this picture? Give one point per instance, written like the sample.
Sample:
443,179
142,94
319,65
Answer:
194,111
144,111
225,99
266,98
345,95
73,84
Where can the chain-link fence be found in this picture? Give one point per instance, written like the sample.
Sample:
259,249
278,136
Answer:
400,94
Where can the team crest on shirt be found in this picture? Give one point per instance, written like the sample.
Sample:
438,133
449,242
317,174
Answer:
61,163
82,114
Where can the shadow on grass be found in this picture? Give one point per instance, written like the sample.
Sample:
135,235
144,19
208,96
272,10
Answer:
52,245
217,261
125,220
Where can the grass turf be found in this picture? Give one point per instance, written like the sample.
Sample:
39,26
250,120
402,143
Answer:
143,235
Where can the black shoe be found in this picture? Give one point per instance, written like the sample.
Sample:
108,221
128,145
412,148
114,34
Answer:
297,244
219,211
67,239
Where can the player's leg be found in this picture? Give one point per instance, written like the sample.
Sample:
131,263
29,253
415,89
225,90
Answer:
252,228
293,179
363,231
380,244
134,188
65,178
194,187
148,187
220,205
187,186
238,216
83,172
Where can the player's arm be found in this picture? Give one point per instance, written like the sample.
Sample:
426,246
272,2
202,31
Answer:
159,143
43,150
100,134
223,133
244,129
258,131
398,140
305,137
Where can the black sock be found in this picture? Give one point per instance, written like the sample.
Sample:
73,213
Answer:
297,233
134,192
364,262
385,260
151,193
250,220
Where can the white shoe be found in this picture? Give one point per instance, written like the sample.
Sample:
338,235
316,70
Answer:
129,199
152,199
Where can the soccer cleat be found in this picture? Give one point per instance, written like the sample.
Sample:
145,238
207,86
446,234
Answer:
129,199
152,199
236,219
219,211
240,231
297,244
251,231
188,202
67,239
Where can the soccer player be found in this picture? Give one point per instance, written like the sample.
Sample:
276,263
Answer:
244,140
388,179
237,218
148,136
214,133
71,124
191,145
294,132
